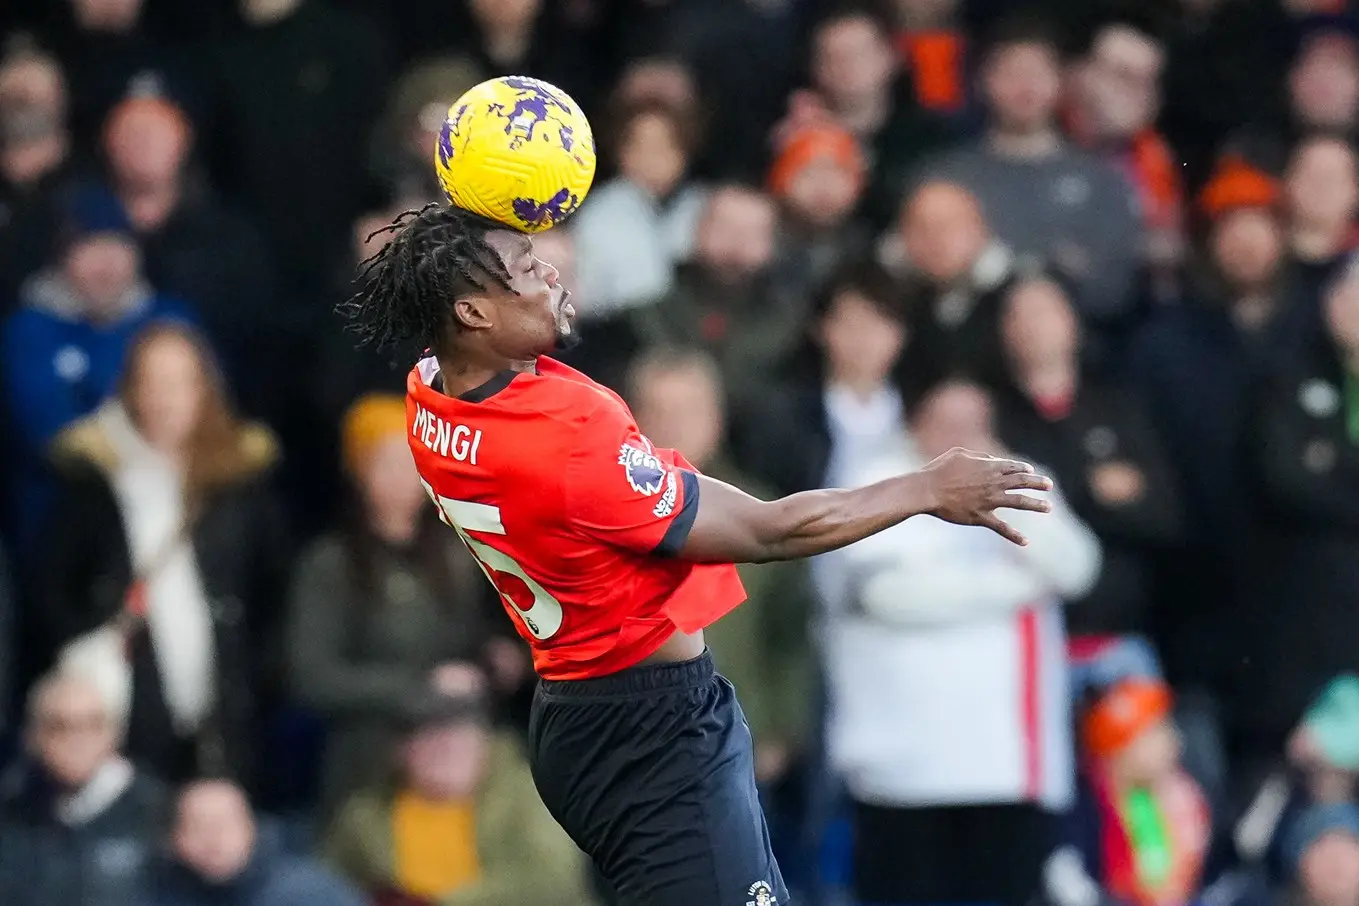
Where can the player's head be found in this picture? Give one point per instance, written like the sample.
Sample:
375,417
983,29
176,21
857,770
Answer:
450,281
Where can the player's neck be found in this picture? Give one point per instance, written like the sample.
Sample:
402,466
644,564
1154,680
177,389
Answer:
460,376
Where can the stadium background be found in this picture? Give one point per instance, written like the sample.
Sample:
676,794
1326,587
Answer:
1118,237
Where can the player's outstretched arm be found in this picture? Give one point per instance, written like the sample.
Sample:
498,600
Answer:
960,487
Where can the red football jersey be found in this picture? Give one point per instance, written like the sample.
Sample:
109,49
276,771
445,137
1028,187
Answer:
572,514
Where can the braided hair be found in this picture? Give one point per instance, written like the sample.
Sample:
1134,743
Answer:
436,255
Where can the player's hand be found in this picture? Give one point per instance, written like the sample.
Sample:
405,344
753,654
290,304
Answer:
967,488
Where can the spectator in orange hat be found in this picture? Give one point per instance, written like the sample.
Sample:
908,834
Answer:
817,177
1243,208
1142,827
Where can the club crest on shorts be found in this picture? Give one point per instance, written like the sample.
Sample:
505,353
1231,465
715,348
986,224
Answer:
761,894
644,470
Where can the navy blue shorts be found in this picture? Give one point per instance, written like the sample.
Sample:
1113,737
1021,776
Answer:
651,771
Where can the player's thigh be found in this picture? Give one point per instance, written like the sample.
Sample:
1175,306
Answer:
662,797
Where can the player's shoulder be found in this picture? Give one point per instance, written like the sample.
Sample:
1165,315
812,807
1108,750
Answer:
571,398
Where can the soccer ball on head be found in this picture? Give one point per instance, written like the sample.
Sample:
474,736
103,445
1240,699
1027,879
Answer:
516,150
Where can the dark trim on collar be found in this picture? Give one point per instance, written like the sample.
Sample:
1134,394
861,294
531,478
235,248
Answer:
489,389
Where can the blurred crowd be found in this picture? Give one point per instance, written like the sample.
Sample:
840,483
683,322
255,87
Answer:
241,663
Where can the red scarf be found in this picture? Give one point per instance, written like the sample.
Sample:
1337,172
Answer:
936,60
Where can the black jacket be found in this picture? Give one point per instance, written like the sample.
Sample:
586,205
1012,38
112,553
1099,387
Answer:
103,861
786,443
1303,610
242,552
1105,426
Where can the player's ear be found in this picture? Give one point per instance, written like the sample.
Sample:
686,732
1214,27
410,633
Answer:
472,312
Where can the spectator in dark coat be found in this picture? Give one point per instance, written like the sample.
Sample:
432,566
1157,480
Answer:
1102,447
399,149
531,37
36,154
738,50
1225,63
80,826
1197,364
1322,192
168,543
109,50
1321,93
1304,614
299,90
224,857
62,352
956,270
195,246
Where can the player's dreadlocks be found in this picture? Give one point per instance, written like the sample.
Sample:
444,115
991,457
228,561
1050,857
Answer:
436,254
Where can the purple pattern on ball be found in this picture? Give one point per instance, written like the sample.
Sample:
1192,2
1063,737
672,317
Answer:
446,143
534,86
568,138
553,211
534,102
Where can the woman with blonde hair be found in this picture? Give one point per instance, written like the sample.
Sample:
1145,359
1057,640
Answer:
167,558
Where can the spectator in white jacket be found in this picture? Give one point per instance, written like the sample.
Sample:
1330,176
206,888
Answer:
636,227
950,704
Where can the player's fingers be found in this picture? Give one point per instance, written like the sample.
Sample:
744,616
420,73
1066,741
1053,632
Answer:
1003,529
1027,481
1012,466
1008,501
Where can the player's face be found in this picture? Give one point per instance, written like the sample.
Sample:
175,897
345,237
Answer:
536,315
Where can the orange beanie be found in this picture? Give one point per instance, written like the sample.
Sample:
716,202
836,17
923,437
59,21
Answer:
371,420
1123,713
1236,184
810,143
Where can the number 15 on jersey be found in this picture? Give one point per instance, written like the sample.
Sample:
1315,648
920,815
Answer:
541,613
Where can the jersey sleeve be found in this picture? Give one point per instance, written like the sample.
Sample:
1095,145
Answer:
622,491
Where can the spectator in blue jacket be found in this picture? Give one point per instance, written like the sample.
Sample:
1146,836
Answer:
224,857
61,352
